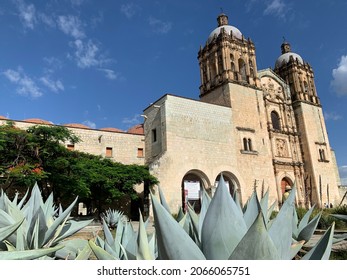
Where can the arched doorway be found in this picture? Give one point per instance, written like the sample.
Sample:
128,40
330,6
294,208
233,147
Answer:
192,187
285,184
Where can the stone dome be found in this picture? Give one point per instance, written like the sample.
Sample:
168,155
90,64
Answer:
223,23
228,29
284,58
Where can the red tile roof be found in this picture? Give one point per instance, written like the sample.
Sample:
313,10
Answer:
137,129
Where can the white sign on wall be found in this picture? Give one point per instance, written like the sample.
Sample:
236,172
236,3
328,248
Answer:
193,189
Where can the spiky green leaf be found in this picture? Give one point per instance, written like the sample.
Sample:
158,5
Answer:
256,244
173,241
322,249
28,254
223,226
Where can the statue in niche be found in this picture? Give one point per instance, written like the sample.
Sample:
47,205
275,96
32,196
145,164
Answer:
282,150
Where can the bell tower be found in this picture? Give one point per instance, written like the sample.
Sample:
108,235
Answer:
320,167
227,57
298,75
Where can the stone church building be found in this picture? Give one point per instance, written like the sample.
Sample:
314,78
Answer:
261,129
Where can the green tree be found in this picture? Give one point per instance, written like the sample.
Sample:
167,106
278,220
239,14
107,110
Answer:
38,155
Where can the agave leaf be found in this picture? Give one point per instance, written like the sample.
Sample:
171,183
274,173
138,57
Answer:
173,242
223,226
74,248
322,249
21,203
269,212
340,216
71,228
194,224
112,250
85,253
264,205
205,203
307,232
58,221
107,233
152,242
34,203
37,230
9,230
180,214
5,219
163,200
143,248
100,253
27,254
295,248
256,244
252,211
280,232
130,242
305,219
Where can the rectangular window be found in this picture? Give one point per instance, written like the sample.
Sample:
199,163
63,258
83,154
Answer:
70,147
140,152
154,135
108,152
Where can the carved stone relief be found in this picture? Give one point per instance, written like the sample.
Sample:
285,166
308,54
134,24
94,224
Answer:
281,148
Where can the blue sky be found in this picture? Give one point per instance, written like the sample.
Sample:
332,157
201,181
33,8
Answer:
102,62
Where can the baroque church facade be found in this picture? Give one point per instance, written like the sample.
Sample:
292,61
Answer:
260,129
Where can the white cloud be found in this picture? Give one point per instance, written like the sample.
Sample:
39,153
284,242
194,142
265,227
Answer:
276,7
90,124
339,82
130,10
343,174
53,62
71,25
159,26
27,14
25,85
48,20
87,54
54,86
110,74
332,116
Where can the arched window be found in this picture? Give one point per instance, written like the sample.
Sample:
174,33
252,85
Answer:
242,69
305,86
275,119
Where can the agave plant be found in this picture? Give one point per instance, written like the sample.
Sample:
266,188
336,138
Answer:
34,228
126,244
225,230
112,217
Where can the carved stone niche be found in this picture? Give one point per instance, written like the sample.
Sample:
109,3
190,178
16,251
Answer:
281,148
